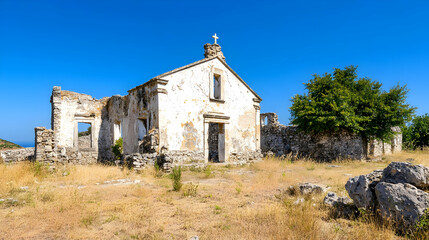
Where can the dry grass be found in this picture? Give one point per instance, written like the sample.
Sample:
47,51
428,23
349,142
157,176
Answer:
229,202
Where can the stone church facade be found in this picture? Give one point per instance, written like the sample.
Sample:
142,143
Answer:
197,113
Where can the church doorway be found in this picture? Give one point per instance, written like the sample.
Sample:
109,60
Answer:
216,142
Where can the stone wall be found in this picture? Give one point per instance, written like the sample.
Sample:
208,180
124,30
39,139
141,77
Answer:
245,157
84,141
47,153
45,146
281,140
17,155
169,159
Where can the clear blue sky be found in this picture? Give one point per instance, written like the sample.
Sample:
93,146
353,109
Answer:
104,48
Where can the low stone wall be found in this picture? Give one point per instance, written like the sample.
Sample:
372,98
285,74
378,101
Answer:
46,151
281,140
17,155
247,157
140,161
169,159
74,156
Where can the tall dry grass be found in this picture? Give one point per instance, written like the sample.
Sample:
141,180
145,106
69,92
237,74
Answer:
73,202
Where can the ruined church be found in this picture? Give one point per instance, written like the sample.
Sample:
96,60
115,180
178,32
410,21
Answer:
200,112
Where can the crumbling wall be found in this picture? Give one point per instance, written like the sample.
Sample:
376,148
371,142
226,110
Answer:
17,155
280,140
45,146
62,144
140,110
378,148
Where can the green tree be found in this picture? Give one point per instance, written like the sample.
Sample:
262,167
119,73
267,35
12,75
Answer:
416,134
342,101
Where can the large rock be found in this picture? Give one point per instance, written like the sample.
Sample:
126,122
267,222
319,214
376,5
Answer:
361,189
400,172
402,203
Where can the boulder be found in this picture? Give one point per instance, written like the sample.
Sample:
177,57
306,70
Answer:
311,188
333,200
361,189
401,172
402,203
340,206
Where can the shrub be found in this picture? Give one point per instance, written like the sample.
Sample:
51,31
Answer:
176,175
190,190
117,149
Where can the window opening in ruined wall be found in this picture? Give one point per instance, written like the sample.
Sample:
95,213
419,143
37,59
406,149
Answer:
117,131
142,128
84,135
264,121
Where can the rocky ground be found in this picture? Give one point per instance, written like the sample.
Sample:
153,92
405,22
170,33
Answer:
272,199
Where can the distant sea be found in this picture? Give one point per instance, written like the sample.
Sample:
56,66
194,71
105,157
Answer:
25,144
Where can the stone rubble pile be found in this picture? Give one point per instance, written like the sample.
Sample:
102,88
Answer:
397,193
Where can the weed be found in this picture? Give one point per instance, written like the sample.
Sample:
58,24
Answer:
111,218
47,197
39,169
190,190
238,188
313,166
217,209
421,229
158,172
208,171
176,175
88,220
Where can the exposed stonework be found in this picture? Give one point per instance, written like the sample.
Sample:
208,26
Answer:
280,139
140,161
45,145
213,50
84,141
246,157
17,155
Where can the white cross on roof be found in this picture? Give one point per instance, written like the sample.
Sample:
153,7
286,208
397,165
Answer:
215,38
